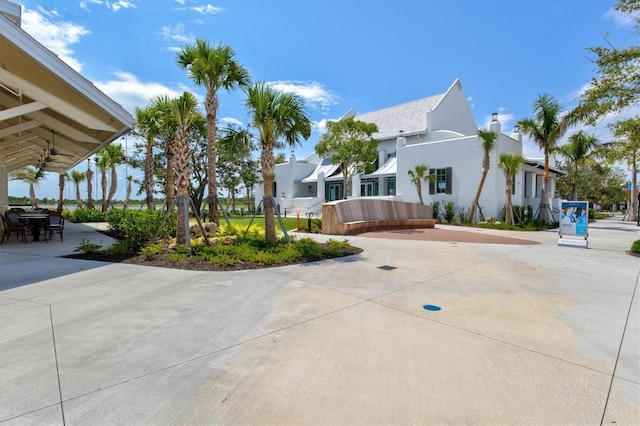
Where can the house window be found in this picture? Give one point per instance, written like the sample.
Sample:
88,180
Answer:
369,188
441,184
391,186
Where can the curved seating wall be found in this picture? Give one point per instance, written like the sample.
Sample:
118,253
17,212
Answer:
356,215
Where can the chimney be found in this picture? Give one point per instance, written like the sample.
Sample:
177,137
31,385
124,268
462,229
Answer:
516,133
494,125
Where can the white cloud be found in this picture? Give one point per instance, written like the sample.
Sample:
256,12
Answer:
176,34
130,92
311,91
207,9
84,4
56,35
621,19
120,4
231,121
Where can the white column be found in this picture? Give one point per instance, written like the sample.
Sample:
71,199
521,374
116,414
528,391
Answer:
320,189
355,186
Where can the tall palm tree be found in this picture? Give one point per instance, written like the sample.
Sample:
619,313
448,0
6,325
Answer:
149,126
509,164
546,129
31,176
280,119
215,68
89,174
418,174
488,141
184,112
627,149
579,150
102,163
167,128
78,177
115,156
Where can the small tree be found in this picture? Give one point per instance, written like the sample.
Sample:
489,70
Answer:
418,174
509,164
350,143
577,151
488,140
78,177
31,176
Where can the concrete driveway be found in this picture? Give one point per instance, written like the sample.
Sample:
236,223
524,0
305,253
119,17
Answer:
525,334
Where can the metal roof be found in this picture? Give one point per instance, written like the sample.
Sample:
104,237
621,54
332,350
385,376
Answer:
45,104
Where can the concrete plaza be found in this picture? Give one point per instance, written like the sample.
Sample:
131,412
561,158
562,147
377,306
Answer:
525,334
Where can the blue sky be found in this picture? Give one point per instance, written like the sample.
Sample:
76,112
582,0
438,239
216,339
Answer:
337,54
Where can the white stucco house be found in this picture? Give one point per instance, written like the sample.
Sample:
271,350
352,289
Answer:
439,131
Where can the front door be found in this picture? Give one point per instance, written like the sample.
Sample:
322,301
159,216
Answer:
334,191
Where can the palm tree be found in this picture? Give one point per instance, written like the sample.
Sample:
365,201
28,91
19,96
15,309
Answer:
184,112
89,174
509,164
115,156
627,149
213,67
102,163
163,108
148,124
31,176
61,181
577,151
418,174
546,129
78,177
488,141
279,119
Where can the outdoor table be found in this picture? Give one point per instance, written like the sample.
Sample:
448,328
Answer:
35,219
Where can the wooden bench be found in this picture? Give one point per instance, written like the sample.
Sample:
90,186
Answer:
356,215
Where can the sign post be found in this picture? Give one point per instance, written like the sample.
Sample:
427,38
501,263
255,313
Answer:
574,224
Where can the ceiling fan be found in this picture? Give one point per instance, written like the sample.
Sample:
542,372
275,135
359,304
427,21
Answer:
53,150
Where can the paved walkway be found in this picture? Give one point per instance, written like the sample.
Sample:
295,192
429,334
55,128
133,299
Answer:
526,334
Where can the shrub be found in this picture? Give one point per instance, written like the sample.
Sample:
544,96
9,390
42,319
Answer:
151,250
87,215
435,210
177,257
87,247
120,247
463,212
635,247
449,211
141,226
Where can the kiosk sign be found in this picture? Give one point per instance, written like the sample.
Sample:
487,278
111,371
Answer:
574,222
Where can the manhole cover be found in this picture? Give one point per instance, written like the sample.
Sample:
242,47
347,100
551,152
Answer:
431,308
387,267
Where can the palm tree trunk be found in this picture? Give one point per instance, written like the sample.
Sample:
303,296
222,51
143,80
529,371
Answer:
90,205
543,213
148,176
634,191
78,196
476,199
170,188
211,107
419,189
104,190
509,207
183,172
32,195
114,186
128,197
268,165
61,197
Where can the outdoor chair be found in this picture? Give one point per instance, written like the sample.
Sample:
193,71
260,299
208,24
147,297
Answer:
11,223
54,225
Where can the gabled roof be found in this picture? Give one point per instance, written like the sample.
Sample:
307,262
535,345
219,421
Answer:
323,166
539,164
388,168
410,117
42,99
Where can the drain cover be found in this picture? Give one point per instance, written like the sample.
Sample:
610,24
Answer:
431,308
387,267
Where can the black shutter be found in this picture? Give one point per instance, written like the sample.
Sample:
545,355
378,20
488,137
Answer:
432,181
449,175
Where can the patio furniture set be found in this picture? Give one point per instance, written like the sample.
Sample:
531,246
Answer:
24,223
